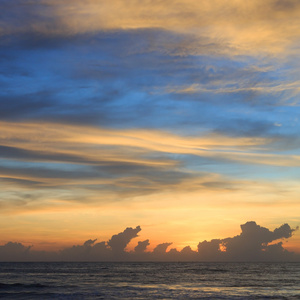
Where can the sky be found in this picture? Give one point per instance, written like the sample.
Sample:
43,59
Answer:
180,118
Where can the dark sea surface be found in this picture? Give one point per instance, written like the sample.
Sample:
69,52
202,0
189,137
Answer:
149,280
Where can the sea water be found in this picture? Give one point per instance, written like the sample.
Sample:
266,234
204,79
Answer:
149,280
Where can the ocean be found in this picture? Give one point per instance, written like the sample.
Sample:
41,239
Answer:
145,280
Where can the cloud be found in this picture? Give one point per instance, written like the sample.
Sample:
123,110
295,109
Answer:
13,250
161,248
24,16
132,80
114,150
239,27
71,163
187,254
255,243
251,90
141,246
209,250
114,249
89,251
88,138
251,245
118,242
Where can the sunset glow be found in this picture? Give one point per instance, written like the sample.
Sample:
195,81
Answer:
181,117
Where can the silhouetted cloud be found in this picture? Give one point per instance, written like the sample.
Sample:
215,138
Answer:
161,248
141,246
13,251
89,251
118,242
210,250
253,244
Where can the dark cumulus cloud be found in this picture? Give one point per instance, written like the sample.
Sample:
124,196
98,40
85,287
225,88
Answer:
255,243
141,246
118,242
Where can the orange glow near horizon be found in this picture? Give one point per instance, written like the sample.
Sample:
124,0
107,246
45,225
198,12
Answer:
56,229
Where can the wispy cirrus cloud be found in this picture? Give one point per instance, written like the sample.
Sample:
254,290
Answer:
49,161
92,145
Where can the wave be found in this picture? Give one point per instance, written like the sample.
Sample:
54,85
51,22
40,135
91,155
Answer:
22,285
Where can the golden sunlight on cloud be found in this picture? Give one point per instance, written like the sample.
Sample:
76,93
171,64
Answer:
228,27
236,27
144,154
291,89
86,145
